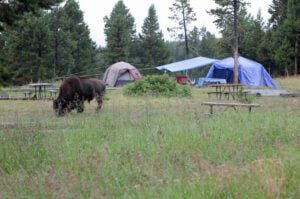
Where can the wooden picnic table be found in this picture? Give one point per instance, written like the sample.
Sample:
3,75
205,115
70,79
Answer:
40,89
229,104
226,89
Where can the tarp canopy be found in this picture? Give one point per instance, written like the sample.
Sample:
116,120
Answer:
251,73
188,64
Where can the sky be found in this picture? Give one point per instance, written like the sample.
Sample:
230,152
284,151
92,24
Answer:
95,10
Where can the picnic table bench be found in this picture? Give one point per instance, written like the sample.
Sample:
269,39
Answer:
27,94
229,104
53,92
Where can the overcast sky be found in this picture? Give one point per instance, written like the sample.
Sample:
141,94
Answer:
95,10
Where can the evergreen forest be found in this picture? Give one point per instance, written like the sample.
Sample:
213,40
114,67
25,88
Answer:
47,40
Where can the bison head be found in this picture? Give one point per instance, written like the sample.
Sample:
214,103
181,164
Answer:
61,107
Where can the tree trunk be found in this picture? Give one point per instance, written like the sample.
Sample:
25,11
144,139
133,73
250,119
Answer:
2,44
55,65
185,35
296,56
236,52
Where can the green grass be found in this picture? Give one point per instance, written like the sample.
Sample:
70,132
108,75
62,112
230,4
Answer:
144,147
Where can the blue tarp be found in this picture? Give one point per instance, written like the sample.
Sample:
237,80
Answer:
251,73
188,64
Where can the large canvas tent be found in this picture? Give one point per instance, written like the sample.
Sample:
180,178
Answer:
120,74
251,73
188,64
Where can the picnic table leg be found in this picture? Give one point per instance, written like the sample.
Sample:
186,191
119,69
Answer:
44,92
40,92
35,91
250,109
228,95
211,109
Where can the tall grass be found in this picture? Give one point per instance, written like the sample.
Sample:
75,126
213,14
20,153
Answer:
151,148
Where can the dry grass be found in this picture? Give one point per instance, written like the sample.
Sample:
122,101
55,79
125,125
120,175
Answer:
292,83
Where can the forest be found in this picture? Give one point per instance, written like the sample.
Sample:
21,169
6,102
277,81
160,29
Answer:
46,40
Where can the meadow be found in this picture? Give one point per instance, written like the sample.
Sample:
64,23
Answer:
151,147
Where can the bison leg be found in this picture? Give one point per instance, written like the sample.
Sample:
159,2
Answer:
61,110
71,106
78,103
80,106
99,98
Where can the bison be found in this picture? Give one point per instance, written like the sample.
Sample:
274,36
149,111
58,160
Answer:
74,91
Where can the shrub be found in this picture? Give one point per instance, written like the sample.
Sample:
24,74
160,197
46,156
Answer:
157,85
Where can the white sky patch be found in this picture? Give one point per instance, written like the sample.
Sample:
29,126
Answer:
95,10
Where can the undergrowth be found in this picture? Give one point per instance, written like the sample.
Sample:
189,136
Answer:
157,85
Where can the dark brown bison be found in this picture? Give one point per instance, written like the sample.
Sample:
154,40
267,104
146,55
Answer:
74,91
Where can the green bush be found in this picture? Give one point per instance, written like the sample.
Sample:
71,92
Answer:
157,85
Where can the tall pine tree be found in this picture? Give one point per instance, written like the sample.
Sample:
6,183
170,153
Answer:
224,15
62,45
278,11
28,49
291,26
83,48
183,15
120,32
153,50
11,11
285,15
203,43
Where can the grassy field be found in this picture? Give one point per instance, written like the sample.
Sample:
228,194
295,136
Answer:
148,147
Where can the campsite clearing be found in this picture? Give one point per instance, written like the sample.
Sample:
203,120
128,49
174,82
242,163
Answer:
150,146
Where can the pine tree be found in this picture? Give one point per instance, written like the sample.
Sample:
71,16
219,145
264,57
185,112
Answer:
224,21
62,45
285,16
203,43
153,50
183,15
120,32
194,38
278,11
28,49
11,11
291,27
283,56
208,44
228,15
264,52
79,32
251,36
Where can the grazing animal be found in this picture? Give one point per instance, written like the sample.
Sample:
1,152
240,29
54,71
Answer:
74,91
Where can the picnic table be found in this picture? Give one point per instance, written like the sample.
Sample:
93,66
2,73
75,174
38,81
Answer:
40,89
226,89
230,104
